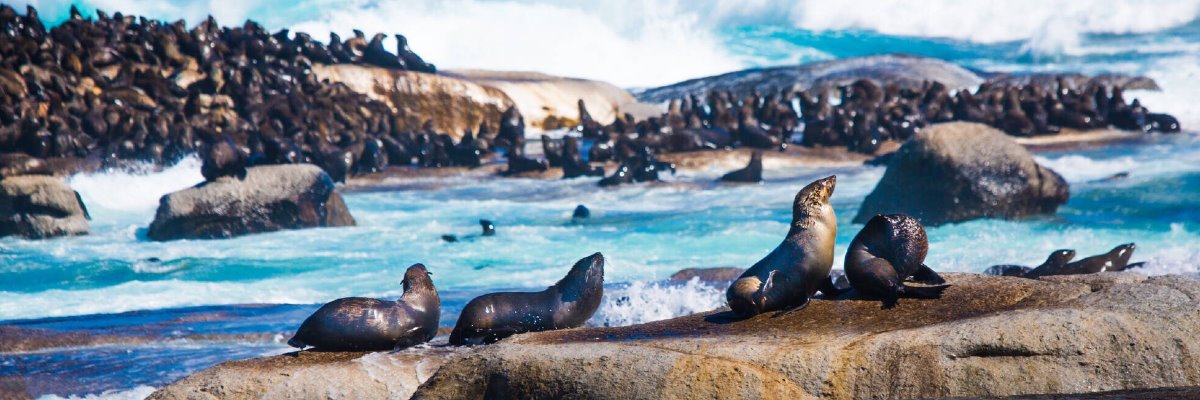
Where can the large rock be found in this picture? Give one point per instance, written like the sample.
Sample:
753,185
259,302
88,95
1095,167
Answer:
902,70
40,206
314,375
271,198
960,171
547,100
988,336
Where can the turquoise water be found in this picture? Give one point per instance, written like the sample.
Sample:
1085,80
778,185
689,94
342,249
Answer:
646,231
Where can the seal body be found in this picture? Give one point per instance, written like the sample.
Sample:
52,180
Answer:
752,172
1116,259
887,251
1056,260
362,324
567,304
223,158
797,268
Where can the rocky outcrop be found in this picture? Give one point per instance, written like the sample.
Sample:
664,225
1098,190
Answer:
40,206
454,105
271,198
902,70
314,375
988,336
550,102
960,171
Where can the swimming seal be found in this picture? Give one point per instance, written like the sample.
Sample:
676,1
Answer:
789,276
752,172
1057,259
1116,259
581,212
567,304
886,252
362,324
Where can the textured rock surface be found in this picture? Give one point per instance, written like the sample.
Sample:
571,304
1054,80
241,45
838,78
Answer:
314,375
543,98
960,171
272,198
40,206
989,336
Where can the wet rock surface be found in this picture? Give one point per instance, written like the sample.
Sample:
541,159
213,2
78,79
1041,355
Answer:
40,206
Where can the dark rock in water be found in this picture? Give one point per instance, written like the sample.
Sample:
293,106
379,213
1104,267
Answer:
489,229
39,206
708,275
961,171
751,173
450,238
581,212
14,164
903,70
271,198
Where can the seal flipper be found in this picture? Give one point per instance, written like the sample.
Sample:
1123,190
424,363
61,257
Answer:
798,307
925,274
297,343
921,292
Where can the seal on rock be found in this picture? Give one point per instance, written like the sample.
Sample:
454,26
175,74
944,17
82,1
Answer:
752,172
363,324
1057,259
567,304
223,158
887,251
1116,259
789,276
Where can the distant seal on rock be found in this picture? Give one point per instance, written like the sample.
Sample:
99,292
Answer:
1057,259
223,158
567,304
362,324
789,276
1116,259
752,172
886,252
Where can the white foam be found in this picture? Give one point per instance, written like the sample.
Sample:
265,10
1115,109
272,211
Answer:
134,191
642,302
136,393
137,295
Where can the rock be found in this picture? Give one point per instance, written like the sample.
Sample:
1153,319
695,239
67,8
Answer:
271,198
40,206
903,70
708,275
13,164
988,336
959,171
547,99
1049,81
314,375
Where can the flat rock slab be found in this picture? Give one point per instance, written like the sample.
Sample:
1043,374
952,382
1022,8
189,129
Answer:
988,336
314,375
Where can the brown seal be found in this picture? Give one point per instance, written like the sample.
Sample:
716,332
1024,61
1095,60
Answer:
887,251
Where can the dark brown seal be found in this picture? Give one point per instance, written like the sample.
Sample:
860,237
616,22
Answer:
887,251
567,304
752,172
789,276
362,324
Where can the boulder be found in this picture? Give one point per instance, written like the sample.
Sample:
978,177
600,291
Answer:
546,98
988,336
40,206
960,171
313,375
271,198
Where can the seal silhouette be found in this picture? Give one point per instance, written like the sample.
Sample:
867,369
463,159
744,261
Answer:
789,276
567,304
363,324
751,173
1116,259
887,251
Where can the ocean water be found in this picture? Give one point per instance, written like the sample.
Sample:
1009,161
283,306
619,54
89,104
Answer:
210,301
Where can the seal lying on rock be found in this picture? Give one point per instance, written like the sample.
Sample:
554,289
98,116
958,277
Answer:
1116,259
1057,259
567,304
887,251
798,267
362,324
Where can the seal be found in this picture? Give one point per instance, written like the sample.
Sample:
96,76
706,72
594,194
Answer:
1057,259
789,276
363,324
752,172
223,158
1116,259
489,229
887,251
567,304
581,212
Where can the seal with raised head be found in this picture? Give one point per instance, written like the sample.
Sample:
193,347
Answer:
1116,259
363,324
223,158
887,251
752,172
1057,259
567,304
789,276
